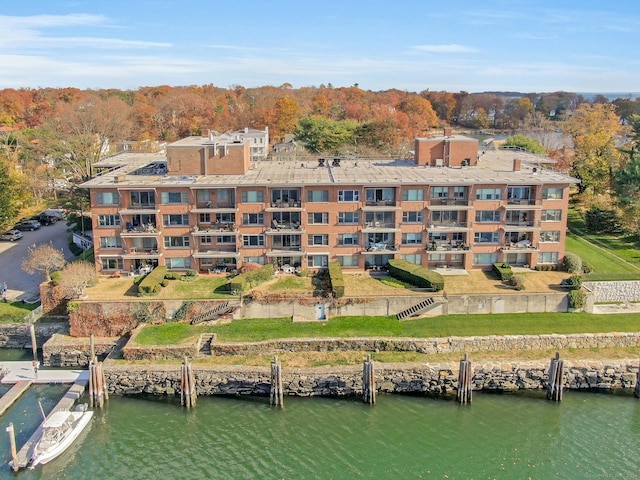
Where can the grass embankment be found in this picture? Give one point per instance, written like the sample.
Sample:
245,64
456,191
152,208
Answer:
258,329
14,312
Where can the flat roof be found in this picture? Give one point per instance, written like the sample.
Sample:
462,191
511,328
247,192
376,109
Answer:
494,167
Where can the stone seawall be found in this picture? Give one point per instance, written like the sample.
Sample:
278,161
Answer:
18,335
428,379
614,292
433,345
64,351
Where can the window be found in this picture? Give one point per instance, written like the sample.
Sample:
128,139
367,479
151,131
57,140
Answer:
552,236
175,220
349,260
488,216
204,218
222,195
253,196
460,192
203,196
316,196
178,263
253,240
444,216
548,257
258,260
206,240
176,242
316,218
413,195
411,238
110,242
322,239
412,217
108,198
112,264
488,194
485,258
348,195
317,261
174,197
552,193
286,196
347,239
253,218
518,193
439,192
414,258
226,239
143,198
348,217
225,217
551,215
438,257
386,195
486,237
108,220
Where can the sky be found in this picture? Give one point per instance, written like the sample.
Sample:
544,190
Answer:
474,46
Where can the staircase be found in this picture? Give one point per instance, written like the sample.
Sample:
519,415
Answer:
218,310
416,309
205,343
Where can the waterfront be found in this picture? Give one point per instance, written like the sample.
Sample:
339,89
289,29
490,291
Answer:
588,435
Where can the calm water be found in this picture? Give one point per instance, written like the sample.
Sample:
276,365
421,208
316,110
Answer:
498,436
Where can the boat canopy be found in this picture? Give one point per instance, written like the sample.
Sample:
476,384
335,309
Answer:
56,420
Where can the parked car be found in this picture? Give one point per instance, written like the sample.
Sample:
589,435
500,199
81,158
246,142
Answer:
28,225
45,219
11,235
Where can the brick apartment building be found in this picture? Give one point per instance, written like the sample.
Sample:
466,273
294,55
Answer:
205,204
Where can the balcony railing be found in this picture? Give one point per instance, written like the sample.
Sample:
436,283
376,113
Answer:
521,201
142,206
380,203
287,204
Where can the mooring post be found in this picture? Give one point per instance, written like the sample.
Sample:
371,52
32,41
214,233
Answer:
14,450
34,343
92,347
554,385
636,392
464,381
91,384
188,393
276,396
368,381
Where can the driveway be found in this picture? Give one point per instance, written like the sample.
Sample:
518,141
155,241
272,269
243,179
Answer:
21,285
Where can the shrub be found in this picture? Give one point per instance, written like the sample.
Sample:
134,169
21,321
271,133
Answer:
337,280
172,276
164,282
516,281
547,267
191,273
246,281
150,285
55,276
250,267
416,275
574,282
503,271
586,268
599,220
572,263
576,299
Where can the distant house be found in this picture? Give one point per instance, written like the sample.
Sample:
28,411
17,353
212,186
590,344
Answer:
289,145
258,140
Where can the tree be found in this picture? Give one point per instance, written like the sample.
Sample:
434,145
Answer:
627,181
321,134
525,143
75,277
43,259
594,129
287,114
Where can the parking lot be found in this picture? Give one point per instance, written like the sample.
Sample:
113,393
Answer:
21,285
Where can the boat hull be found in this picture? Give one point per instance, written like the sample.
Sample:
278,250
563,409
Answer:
45,455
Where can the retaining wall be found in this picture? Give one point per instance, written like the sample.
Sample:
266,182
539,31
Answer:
18,335
614,292
428,379
72,352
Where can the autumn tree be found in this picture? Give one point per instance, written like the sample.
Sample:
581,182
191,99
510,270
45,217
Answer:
43,259
287,114
593,129
627,181
74,278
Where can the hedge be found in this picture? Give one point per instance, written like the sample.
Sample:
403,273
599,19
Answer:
248,280
151,284
503,271
337,280
416,275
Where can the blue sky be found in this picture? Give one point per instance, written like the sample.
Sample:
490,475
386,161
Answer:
529,46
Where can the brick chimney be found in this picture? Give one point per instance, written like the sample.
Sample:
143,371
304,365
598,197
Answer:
448,131
517,163
205,132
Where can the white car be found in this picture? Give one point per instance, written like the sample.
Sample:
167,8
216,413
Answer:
11,235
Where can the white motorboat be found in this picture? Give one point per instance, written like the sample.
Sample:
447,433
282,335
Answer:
58,433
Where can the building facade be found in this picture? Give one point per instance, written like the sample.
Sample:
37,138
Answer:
208,206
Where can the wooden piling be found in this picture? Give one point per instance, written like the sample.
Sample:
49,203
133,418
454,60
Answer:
188,394
34,342
368,382
14,451
465,376
92,348
276,395
636,392
97,393
556,373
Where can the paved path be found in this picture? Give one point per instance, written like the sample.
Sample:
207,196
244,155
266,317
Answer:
20,371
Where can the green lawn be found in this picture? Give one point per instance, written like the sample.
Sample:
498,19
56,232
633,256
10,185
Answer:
257,329
14,312
201,287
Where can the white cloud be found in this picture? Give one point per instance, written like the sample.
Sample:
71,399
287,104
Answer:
448,48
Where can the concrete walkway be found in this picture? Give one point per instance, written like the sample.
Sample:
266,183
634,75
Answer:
21,371
610,308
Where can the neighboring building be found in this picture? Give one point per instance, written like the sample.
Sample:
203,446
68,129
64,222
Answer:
258,140
206,204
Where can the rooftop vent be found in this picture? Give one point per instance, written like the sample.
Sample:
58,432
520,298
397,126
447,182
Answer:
321,162
336,162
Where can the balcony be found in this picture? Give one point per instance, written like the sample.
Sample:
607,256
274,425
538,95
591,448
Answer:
148,230
218,252
456,247
523,245
381,247
285,251
450,204
215,229
380,205
277,206
140,209
372,227
211,207
449,227
522,203
141,253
